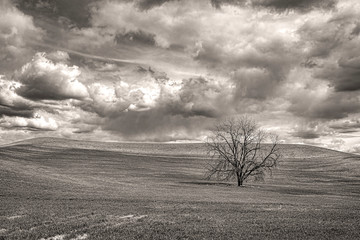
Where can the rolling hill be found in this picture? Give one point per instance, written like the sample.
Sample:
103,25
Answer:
70,189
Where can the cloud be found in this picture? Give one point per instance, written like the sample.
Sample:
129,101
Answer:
202,97
104,101
258,69
320,36
58,56
78,14
332,44
280,5
332,106
39,123
347,126
356,29
260,57
180,113
343,74
256,83
153,107
7,111
147,4
301,5
22,114
306,134
136,37
43,79
125,18
156,124
12,104
314,130
168,69
16,31
355,149
314,99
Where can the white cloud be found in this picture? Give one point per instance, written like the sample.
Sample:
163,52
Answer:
8,96
104,101
36,123
43,79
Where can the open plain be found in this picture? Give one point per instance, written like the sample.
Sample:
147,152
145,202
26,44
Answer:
65,189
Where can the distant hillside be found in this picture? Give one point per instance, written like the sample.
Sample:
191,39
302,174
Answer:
299,164
178,149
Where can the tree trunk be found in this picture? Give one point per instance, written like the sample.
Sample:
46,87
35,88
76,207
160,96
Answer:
240,180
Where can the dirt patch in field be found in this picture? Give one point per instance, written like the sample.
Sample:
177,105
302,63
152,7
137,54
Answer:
81,237
57,237
62,236
15,217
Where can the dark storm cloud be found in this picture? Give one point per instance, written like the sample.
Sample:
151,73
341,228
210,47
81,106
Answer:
344,75
13,112
78,12
280,5
306,134
356,30
333,46
26,128
211,54
136,37
257,71
256,83
301,5
347,126
147,4
334,106
9,100
200,97
155,124
323,38
11,104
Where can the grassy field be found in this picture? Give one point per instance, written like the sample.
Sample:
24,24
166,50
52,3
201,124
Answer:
65,189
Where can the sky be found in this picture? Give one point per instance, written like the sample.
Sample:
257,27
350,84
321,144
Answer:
168,70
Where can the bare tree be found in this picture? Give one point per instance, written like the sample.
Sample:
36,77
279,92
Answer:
241,150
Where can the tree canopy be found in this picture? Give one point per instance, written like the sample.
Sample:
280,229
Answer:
241,150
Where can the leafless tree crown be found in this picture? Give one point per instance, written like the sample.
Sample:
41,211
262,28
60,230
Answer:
241,150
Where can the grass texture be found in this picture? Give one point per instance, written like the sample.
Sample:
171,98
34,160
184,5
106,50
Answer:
64,189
